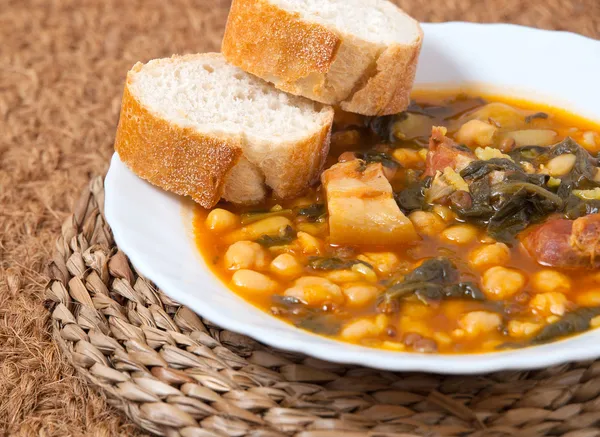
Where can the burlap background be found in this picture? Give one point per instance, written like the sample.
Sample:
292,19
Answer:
62,65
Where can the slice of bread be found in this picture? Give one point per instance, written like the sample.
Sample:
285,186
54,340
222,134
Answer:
198,126
358,54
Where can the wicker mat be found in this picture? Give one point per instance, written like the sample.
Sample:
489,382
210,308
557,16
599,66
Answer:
62,66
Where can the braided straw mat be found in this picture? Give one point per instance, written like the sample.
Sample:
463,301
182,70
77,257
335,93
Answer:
62,66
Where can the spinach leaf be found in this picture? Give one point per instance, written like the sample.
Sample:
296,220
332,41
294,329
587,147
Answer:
286,236
536,115
313,212
527,153
432,281
323,324
507,207
437,270
463,290
371,156
582,174
412,198
478,169
305,317
333,263
576,207
511,188
570,323
251,217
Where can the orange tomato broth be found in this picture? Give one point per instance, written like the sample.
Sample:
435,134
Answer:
438,322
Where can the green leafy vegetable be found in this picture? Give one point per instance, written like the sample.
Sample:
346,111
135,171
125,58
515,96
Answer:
434,280
478,169
371,156
527,153
323,324
251,217
305,317
570,323
510,188
286,236
507,206
531,117
576,207
412,198
333,263
313,212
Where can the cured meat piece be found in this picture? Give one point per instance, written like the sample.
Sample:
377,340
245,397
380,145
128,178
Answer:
566,243
443,152
361,206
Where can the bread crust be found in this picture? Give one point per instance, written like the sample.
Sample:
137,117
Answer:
299,57
210,167
276,45
175,158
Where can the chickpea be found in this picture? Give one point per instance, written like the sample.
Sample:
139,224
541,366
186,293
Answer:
254,282
589,298
383,262
546,281
486,239
365,271
522,329
490,255
444,212
460,234
590,140
309,244
394,345
221,220
416,310
500,282
343,276
479,322
286,265
547,304
346,156
312,228
364,328
476,133
442,338
314,290
560,165
541,137
246,255
414,324
359,295
427,223
409,158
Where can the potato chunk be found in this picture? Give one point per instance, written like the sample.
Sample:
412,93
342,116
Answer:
361,205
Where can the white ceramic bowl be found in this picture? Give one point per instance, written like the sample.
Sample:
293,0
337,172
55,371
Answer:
154,228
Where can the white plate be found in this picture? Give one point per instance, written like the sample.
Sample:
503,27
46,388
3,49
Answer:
154,228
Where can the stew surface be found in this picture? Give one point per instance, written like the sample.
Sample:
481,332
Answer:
465,224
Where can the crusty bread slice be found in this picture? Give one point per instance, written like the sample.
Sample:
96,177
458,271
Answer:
198,126
358,54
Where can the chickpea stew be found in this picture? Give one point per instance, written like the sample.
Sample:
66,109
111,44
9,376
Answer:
464,224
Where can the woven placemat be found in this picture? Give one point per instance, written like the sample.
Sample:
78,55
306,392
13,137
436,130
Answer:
62,67
175,374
